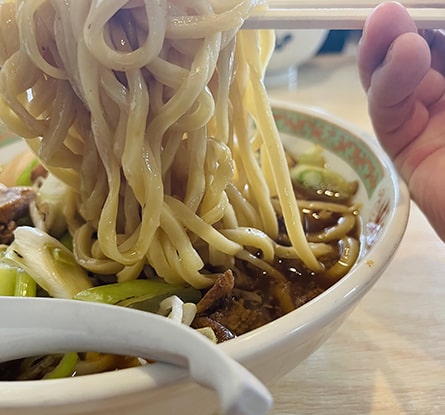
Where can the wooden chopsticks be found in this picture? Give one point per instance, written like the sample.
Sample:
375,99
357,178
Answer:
337,14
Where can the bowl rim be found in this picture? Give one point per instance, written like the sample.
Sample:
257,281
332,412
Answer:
335,300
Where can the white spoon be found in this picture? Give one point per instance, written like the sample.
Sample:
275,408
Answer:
34,326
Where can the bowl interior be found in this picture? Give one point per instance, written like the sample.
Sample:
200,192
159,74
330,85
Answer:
353,154
274,349
384,214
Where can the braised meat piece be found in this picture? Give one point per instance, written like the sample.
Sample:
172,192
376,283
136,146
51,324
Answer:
37,172
213,298
222,333
247,298
239,316
14,205
229,310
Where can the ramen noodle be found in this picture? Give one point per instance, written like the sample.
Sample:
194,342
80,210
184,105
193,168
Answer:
154,116
136,105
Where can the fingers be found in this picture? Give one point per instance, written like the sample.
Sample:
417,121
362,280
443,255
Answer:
431,89
397,114
384,25
403,72
425,186
393,62
405,65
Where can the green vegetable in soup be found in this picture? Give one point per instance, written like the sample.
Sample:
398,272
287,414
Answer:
25,286
50,264
141,294
65,368
321,183
8,277
313,157
14,281
24,178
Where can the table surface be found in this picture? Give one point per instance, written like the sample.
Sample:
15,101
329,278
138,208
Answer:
389,355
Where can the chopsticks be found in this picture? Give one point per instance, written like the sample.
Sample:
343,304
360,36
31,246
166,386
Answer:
337,14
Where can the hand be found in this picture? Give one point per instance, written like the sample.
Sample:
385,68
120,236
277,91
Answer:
403,73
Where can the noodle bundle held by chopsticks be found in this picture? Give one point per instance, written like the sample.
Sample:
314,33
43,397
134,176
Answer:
155,115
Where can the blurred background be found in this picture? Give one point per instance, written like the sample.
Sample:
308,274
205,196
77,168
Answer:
294,48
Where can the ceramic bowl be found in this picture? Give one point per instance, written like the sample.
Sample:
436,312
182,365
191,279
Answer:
293,48
276,348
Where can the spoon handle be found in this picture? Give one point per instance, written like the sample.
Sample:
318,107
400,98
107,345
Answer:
36,326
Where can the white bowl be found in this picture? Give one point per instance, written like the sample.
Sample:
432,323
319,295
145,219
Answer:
276,348
293,48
